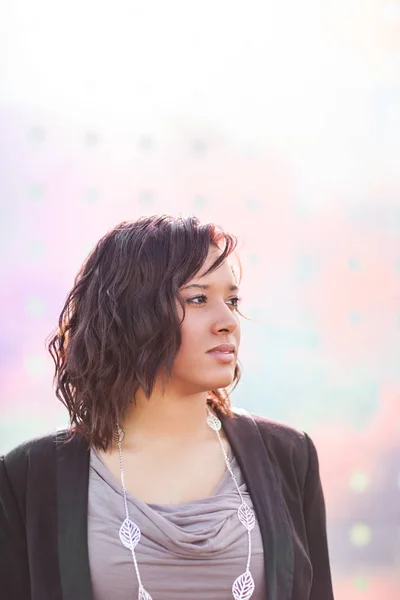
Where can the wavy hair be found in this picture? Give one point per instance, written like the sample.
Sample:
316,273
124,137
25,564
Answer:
120,325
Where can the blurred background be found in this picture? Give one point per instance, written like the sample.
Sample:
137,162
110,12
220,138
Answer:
279,121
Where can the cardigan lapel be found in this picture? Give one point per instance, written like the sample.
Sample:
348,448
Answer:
72,501
262,484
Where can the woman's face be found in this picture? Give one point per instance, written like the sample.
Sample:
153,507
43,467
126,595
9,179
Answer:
211,319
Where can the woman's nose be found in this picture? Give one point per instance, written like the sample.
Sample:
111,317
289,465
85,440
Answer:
226,320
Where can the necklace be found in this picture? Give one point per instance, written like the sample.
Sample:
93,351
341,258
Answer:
130,534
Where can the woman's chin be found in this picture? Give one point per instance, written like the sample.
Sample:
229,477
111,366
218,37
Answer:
221,382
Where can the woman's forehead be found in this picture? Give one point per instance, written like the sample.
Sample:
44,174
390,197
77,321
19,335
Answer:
226,271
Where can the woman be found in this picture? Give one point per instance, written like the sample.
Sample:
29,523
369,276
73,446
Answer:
159,489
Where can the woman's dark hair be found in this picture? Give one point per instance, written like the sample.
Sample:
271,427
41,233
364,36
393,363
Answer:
120,325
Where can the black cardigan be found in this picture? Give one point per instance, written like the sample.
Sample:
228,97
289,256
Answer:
43,513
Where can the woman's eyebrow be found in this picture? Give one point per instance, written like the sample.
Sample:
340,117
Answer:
232,288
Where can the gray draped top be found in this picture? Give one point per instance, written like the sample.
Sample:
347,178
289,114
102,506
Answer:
189,551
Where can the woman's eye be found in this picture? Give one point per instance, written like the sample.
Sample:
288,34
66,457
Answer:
199,300
236,301
202,299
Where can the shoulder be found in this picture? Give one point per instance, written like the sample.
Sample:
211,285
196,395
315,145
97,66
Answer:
38,445
276,433
16,467
30,455
290,448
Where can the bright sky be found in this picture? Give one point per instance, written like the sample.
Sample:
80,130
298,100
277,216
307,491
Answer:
295,72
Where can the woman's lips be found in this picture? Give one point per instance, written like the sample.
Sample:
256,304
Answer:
228,347
223,357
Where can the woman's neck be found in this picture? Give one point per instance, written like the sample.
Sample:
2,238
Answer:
166,418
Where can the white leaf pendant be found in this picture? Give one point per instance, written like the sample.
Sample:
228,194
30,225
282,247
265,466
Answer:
246,516
129,534
243,586
143,595
213,422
